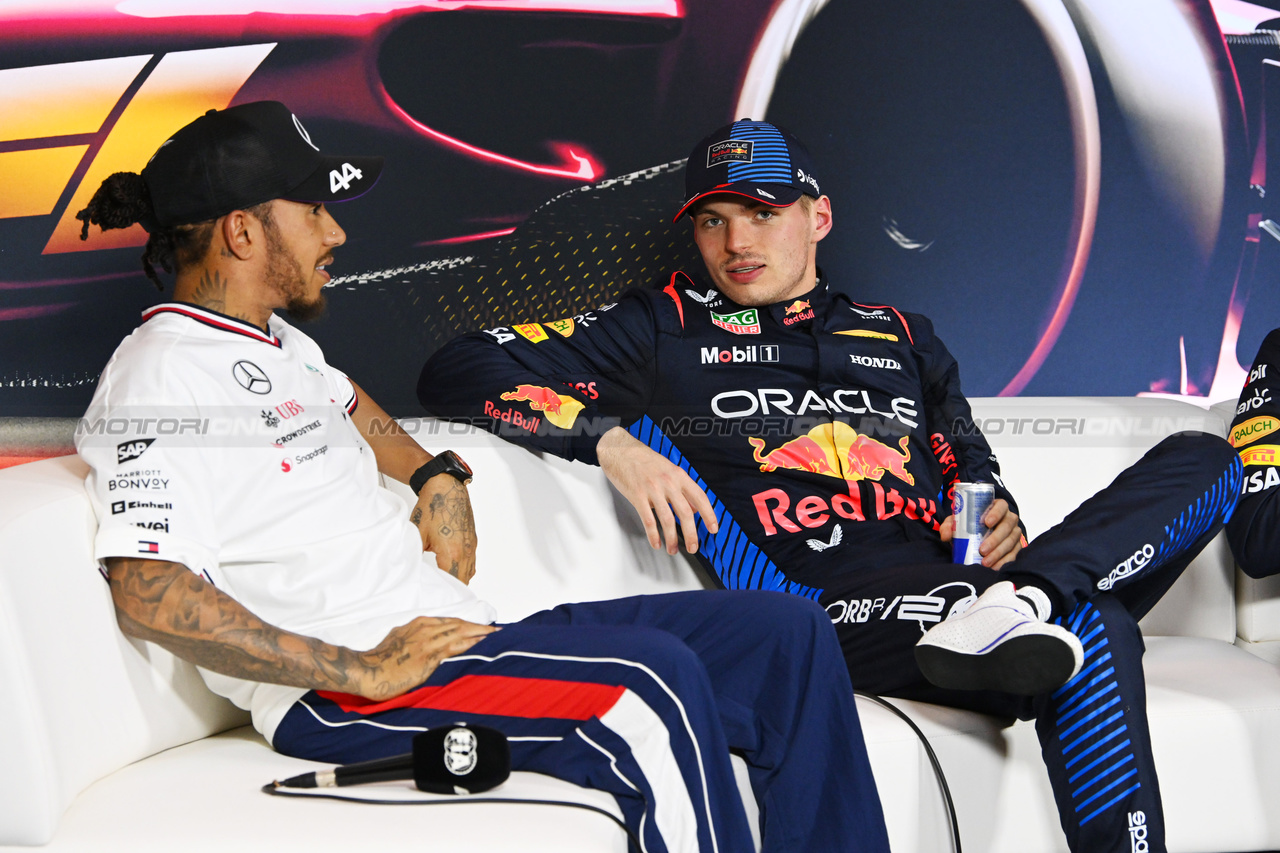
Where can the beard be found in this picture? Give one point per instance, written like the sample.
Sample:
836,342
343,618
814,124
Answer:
285,276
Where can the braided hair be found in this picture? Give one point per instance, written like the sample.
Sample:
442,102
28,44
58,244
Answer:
123,200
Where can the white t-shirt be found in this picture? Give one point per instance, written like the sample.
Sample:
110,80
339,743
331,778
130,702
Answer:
233,452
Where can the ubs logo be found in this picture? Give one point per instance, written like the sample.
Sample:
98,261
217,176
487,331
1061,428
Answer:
251,377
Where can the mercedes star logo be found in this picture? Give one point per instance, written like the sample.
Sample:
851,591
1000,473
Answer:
251,377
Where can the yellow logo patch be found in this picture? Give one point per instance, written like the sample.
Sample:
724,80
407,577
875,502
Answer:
533,332
1253,429
867,333
563,327
1263,454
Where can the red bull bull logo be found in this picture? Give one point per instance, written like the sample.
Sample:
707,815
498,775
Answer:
797,311
837,450
559,410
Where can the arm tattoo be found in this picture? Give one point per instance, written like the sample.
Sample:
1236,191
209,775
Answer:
175,608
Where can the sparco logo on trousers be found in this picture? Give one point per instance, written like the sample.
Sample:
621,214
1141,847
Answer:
1130,566
739,355
1138,833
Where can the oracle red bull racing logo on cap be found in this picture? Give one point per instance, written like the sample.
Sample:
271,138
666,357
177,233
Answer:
729,151
745,322
557,408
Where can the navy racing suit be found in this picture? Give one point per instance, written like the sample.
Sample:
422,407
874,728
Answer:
1254,530
828,435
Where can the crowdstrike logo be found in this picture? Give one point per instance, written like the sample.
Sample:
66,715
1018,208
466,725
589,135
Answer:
1133,565
739,355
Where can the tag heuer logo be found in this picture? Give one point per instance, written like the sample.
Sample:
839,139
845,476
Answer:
746,322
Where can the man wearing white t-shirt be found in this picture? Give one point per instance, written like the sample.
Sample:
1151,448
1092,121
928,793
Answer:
242,526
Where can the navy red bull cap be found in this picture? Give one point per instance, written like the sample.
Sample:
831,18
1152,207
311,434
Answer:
242,156
755,159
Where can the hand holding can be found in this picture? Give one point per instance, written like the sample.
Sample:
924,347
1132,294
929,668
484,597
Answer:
969,503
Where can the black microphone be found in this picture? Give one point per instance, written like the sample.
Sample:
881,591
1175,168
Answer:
461,759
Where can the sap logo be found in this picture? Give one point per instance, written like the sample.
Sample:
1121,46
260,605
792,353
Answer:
745,403
1138,833
1257,482
132,449
342,180
1259,372
740,355
808,179
882,363
1134,564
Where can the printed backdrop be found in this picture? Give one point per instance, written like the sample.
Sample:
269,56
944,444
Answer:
1075,190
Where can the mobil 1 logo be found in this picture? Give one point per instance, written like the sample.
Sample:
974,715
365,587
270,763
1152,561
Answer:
755,354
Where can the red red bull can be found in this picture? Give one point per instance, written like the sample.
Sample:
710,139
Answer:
969,504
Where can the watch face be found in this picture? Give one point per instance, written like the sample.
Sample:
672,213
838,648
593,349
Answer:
463,465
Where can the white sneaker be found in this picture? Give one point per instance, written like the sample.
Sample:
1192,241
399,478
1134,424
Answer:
999,643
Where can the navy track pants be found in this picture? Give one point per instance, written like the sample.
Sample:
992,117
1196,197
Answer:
645,697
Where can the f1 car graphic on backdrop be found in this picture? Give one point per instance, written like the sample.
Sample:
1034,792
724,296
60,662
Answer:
1069,177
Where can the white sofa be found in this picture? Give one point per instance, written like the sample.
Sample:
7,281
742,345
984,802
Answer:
112,744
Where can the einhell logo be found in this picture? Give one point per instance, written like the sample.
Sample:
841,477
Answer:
739,355
86,109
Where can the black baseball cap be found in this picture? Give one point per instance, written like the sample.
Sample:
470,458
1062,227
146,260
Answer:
245,155
750,158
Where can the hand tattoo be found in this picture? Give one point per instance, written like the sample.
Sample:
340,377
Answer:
416,517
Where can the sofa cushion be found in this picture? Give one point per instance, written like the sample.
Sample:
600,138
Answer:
83,700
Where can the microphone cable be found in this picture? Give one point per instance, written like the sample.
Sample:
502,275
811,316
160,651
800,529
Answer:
933,759
633,842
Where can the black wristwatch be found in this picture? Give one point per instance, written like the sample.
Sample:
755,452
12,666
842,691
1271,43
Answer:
446,462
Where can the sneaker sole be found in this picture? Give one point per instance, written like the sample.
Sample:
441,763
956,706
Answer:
1026,666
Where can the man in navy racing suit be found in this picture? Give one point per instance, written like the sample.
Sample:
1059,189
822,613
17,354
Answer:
808,443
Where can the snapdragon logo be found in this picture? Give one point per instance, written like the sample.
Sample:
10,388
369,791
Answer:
1133,565
1138,832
